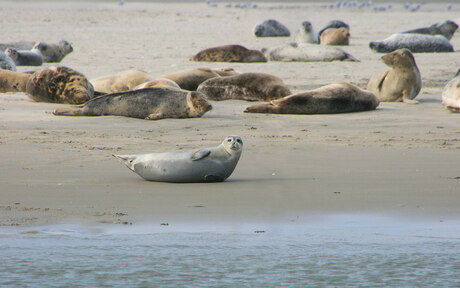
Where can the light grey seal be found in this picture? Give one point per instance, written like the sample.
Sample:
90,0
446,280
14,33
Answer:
307,53
306,34
271,28
333,24
451,95
149,103
199,165
6,62
416,43
53,52
446,29
25,58
19,45
338,97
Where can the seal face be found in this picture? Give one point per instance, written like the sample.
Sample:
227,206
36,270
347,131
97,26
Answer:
306,34
11,81
402,82
121,82
307,53
149,103
338,97
25,58
229,53
446,29
191,79
200,165
53,52
416,43
271,28
245,86
451,95
59,84
6,62
335,36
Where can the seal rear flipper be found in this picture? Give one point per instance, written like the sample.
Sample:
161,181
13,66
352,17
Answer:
70,111
213,178
128,160
200,154
351,58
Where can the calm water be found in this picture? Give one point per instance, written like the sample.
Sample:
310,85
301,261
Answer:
352,251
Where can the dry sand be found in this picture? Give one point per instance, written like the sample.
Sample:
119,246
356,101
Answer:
400,160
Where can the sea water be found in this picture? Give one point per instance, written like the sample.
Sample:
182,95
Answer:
338,251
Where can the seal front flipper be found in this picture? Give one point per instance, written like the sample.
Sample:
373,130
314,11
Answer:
127,160
213,178
200,154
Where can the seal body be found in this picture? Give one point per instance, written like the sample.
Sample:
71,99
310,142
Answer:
120,82
229,53
333,24
307,53
25,58
6,62
335,36
19,45
271,28
402,82
416,43
446,29
53,52
148,103
59,84
11,81
157,83
306,34
191,79
200,165
451,95
333,98
226,71
245,86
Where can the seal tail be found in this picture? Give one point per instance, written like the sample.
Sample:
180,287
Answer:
70,111
261,108
127,160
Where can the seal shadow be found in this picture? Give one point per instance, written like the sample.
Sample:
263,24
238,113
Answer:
429,100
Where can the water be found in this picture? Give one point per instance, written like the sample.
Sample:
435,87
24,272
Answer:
351,251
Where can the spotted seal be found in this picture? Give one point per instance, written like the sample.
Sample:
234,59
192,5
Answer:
451,95
446,29
191,79
120,82
271,28
307,53
335,36
53,52
402,82
149,103
25,58
6,62
11,81
199,165
229,53
245,86
416,43
306,34
338,97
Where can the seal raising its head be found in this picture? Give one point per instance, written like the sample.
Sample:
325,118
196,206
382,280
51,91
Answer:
53,52
200,165
306,34
446,29
229,53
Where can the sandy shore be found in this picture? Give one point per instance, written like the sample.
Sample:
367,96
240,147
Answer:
400,160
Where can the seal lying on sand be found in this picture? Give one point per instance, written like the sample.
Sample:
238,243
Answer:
335,36
416,43
245,86
402,82
229,53
333,98
226,71
6,62
271,28
11,81
19,45
120,82
451,95
306,34
157,83
446,29
333,24
199,165
53,52
25,58
191,79
149,103
59,84
306,53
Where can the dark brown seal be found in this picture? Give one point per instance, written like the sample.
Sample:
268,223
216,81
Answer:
245,86
229,53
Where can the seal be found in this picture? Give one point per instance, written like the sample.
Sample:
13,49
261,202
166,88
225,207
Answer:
416,43
149,103
402,82
307,53
306,34
6,62
229,53
335,36
213,164
446,29
53,52
333,24
25,58
59,84
245,86
11,81
191,79
338,97
451,95
271,28
19,45
157,83
120,82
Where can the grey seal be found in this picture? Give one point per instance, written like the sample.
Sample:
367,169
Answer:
53,52
25,58
271,28
306,53
6,62
229,53
451,95
416,43
149,103
306,34
18,45
199,165
446,29
338,97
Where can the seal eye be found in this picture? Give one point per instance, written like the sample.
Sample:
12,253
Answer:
239,141
229,140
